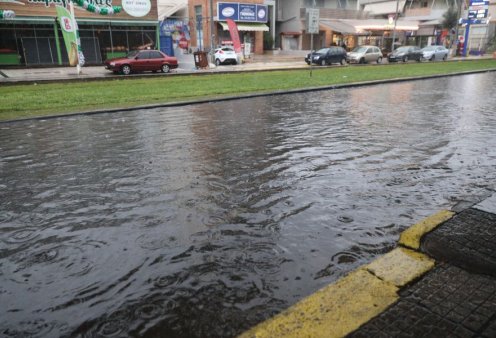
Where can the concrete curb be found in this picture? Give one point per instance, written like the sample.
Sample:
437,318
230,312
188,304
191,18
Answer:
342,307
254,95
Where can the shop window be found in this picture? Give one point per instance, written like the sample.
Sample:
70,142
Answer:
119,41
135,40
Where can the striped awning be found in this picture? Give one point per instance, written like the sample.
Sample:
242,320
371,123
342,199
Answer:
247,26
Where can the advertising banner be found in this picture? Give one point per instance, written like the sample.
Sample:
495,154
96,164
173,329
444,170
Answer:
233,31
242,12
131,9
69,34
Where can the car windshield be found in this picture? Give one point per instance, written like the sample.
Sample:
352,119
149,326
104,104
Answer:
359,50
429,48
402,49
322,51
132,54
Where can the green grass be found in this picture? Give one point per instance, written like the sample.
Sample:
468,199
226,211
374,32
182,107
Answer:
24,101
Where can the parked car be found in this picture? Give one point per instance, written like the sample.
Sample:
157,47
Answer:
433,53
142,60
405,53
364,54
225,55
326,56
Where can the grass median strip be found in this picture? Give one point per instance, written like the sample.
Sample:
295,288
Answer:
24,101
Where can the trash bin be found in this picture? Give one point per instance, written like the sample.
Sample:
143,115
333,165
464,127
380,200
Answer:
201,60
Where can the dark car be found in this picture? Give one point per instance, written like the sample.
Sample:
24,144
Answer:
142,60
405,53
326,56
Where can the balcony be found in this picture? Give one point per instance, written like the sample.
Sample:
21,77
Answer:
425,11
337,13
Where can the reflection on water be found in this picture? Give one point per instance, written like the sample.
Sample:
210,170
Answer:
201,221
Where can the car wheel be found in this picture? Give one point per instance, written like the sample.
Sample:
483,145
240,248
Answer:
432,58
405,58
308,63
362,60
165,68
379,60
322,62
445,57
217,62
343,62
126,70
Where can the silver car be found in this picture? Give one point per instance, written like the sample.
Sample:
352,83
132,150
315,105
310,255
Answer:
433,53
364,54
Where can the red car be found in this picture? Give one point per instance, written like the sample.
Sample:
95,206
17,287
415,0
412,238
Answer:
142,60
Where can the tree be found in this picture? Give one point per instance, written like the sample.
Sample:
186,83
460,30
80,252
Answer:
450,20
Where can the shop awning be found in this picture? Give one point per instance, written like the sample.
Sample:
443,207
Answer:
425,31
247,26
339,26
382,25
387,7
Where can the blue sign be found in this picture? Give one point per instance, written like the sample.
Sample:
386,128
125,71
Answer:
241,12
478,9
247,12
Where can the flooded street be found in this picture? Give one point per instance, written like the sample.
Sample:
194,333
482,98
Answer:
203,220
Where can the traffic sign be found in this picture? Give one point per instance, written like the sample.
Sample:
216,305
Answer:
312,24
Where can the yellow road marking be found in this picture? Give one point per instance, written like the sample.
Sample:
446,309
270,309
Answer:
400,266
411,236
342,307
333,311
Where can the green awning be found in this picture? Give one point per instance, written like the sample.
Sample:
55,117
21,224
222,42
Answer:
50,20
247,26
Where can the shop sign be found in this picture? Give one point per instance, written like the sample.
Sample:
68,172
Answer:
132,9
478,9
137,8
241,12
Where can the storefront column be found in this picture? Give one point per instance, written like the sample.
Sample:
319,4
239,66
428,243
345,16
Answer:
328,37
157,36
57,42
258,43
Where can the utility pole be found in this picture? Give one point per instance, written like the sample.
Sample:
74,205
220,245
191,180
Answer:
457,30
394,27
211,30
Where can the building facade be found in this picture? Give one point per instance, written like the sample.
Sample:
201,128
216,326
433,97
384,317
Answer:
34,36
210,30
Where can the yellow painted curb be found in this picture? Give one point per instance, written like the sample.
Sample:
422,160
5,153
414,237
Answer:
400,266
411,236
342,307
333,311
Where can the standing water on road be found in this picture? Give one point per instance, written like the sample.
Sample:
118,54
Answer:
201,221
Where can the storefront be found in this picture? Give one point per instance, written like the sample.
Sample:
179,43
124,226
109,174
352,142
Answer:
251,19
377,32
34,36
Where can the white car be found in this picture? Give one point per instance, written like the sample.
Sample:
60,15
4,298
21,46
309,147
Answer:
225,55
364,54
433,53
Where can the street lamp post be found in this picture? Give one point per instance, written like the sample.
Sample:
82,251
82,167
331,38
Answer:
211,30
394,27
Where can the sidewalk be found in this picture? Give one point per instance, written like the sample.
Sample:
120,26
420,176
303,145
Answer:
439,282
286,60
458,297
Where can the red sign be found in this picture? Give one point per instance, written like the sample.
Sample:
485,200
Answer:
183,43
233,30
